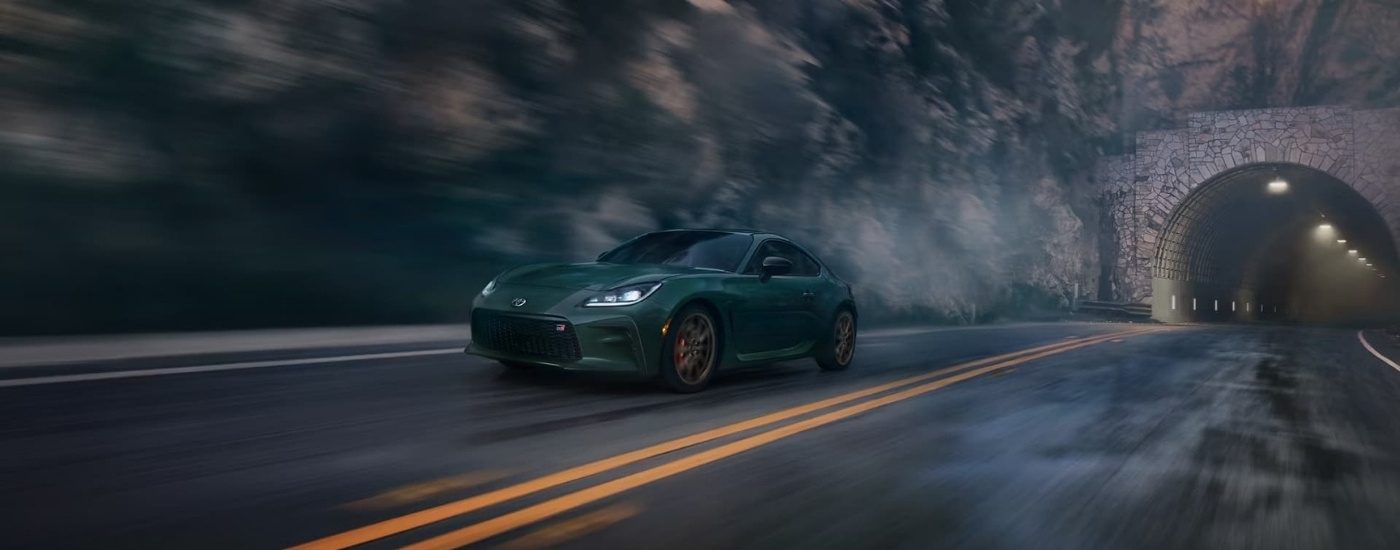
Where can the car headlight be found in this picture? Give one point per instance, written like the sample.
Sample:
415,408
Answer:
622,296
490,287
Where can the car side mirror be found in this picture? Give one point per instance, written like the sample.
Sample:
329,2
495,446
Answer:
774,266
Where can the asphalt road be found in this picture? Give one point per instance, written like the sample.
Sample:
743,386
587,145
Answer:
1183,437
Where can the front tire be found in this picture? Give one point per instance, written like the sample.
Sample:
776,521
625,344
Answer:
837,354
690,352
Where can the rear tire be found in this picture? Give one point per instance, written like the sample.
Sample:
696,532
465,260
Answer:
837,353
690,351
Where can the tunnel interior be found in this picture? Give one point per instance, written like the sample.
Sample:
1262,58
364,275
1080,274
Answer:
1265,242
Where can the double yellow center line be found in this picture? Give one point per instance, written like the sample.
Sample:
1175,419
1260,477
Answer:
532,514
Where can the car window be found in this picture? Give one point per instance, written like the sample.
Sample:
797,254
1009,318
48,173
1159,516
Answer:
706,249
802,264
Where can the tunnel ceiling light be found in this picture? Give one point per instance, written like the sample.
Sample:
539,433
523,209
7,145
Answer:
1325,227
1351,251
1341,241
1278,186
1363,259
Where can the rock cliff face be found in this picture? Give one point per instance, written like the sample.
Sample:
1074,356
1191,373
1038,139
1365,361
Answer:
231,164
1179,56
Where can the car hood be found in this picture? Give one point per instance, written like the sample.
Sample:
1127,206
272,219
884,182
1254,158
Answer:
593,275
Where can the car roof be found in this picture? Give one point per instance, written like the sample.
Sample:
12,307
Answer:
754,232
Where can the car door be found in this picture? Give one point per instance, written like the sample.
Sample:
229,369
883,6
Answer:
815,291
772,315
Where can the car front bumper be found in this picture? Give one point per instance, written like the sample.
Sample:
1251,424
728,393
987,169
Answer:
602,341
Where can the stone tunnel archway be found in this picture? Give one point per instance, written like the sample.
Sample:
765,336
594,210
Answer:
1166,228
1261,241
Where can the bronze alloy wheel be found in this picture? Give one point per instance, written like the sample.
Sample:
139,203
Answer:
694,353
845,338
837,353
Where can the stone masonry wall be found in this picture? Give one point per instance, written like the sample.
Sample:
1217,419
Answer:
1161,168
1320,137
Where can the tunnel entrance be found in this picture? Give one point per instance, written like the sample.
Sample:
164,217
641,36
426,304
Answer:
1274,242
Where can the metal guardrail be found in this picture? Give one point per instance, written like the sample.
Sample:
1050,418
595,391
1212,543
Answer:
1129,309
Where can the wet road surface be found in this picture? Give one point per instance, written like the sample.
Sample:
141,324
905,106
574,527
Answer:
1182,437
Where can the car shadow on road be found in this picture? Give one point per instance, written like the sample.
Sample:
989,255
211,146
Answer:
631,396
622,385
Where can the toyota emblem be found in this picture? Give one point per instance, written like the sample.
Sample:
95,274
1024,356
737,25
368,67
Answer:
517,302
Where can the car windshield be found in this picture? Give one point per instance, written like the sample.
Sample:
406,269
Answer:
702,249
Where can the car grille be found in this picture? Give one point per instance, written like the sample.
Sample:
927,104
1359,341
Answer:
545,338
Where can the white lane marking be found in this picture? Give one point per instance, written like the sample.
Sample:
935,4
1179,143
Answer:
59,379
57,350
1373,351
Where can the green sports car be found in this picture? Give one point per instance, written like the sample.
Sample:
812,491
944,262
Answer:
674,305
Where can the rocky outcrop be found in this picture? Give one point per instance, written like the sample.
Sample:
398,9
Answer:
1176,57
